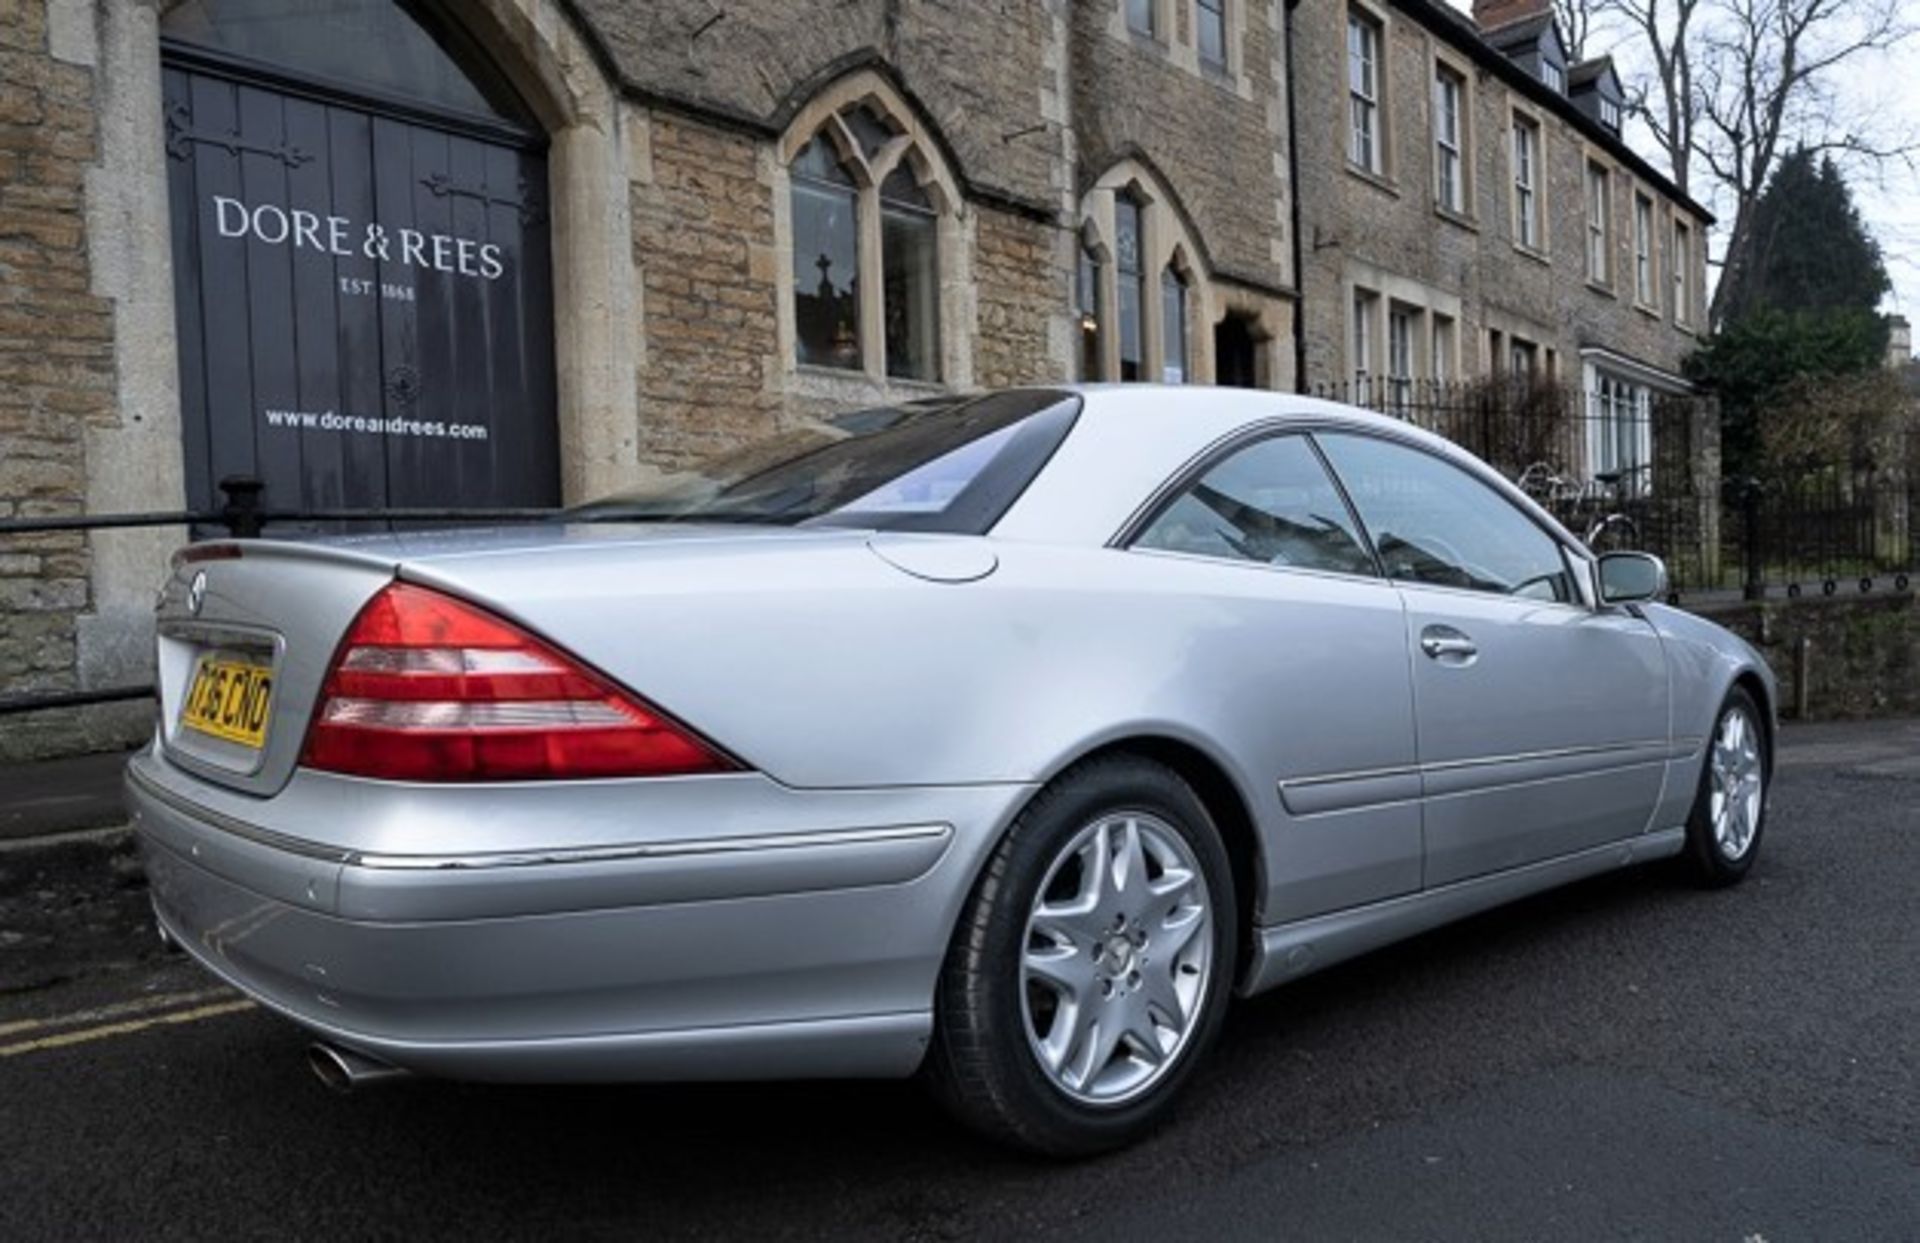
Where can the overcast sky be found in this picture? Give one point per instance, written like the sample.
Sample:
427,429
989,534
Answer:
1884,86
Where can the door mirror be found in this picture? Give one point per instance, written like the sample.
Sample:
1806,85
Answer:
1630,577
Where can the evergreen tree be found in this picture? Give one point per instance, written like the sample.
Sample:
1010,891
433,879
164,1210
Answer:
1811,251
1804,309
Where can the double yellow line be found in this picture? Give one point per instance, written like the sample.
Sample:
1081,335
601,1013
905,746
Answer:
119,1019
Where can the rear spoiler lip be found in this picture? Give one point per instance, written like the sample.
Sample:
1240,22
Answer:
234,549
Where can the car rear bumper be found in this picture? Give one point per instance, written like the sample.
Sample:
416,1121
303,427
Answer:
791,952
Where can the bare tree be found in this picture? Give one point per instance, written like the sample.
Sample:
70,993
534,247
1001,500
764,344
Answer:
1665,98
1576,24
1767,86
1733,85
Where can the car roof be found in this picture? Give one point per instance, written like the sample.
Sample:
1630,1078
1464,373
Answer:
1131,438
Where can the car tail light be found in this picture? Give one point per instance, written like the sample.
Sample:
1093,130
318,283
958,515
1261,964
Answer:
429,688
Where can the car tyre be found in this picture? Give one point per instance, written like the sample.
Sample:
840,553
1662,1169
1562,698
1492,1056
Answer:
1015,1056
1729,812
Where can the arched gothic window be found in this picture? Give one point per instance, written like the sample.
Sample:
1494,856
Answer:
1146,308
866,208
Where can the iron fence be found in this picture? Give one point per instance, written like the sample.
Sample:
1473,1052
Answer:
242,517
1629,466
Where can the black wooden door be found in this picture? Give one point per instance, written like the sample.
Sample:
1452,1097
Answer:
364,298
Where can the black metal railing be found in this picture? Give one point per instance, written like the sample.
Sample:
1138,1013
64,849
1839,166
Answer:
1636,467
242,517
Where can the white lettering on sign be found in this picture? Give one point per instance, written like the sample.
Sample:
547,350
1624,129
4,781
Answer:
365,287
328,421
336,235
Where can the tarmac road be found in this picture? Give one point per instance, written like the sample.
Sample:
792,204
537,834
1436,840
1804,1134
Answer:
1629,1058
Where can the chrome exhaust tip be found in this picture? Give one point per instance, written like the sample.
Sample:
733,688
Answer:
343,1070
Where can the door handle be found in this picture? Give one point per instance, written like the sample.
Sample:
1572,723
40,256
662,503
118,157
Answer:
1447,645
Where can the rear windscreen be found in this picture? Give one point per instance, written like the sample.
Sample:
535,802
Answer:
952,465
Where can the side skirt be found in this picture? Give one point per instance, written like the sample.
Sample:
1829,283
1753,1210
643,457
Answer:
1288,951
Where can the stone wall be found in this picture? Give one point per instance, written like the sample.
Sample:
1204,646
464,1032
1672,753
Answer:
974,66
1860,655
703,245
56,367
1019,296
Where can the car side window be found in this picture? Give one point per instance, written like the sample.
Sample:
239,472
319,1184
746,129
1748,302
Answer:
1434,523
1272,503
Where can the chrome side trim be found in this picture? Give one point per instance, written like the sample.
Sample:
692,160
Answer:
1557,753
227,824
1288,951
1312,796
1373,787
652,850
686,848
1469,776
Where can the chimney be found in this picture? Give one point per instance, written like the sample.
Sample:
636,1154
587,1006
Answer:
1493,14
1899,342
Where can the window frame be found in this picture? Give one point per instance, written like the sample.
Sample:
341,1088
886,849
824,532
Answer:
1529,209
1365,63
1402,344
1362,308
1152,10
1646,274
1519,348
1450,149
1218,10
1682,262
1620,411
1599,195
907,148
1577,563
1128,200
1443,334
1176,310
1236,442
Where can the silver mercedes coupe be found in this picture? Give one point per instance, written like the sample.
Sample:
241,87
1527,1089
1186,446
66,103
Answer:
996,739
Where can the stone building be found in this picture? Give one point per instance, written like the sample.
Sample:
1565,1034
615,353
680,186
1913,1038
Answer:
1468,209
517,252
448,253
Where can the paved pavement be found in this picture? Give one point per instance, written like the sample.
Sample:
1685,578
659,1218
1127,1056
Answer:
57,796
1629,1058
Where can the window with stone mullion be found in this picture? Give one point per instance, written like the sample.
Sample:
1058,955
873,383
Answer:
857,208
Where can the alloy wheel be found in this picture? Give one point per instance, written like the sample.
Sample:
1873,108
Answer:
1116,959
1738,784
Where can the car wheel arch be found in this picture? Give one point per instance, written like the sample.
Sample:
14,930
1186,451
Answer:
1750,681
1224,800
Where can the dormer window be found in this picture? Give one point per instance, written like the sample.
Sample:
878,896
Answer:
1610,113
1554,76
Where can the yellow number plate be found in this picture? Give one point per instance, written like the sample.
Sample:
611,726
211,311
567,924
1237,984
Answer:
230,699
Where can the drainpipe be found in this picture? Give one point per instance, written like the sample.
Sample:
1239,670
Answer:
1293,201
